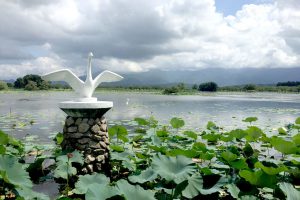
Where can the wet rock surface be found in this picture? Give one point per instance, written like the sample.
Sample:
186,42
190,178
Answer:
90,136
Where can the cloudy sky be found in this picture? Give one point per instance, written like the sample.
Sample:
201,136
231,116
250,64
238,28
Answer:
139,35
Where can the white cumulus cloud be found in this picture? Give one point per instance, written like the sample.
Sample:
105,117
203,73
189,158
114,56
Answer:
40,36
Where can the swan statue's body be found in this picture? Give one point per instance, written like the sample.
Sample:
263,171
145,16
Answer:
85,89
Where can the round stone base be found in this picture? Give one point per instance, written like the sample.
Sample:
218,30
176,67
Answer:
85,108
89,136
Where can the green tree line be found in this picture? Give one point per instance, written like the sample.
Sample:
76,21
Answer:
31,82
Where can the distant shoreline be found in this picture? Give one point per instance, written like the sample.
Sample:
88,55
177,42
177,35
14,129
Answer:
158,91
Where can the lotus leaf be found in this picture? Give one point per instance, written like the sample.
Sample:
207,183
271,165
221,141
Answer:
119,131
195,187
177,122
75,156
147,175
97,191
289,190
29,194
259,178
132,192
64,170
250,119
175,169
12,172
141,121
283,146
296,139
191,134
86,181
116,148
253,133
190,153
271,170
211,126
233,190
228,156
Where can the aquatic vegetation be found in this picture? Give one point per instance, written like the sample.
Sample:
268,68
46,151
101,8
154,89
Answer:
155,161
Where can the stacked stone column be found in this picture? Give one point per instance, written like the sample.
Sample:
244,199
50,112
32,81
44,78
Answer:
90,136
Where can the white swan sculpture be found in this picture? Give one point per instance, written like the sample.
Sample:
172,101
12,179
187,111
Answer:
85,89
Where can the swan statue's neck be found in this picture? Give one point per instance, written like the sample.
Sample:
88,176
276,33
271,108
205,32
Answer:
89,77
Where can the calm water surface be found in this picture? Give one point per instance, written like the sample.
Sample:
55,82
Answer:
37,113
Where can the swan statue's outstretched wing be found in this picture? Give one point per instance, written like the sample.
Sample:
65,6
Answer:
67,76
107,76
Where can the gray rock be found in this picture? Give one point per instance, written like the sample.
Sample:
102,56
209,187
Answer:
88,151
102,133
106,140
88,134
103,120
97,137
90,168
65,129
100,158
83,127
91,122
89,158
106,155
81,146
99,151
94,145
95,128
98,166
78,121
69,121
66,135
75,135
84,170
103,127
103,145
72,129
85,120
83,140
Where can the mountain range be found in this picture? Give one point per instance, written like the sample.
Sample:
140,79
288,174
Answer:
222,76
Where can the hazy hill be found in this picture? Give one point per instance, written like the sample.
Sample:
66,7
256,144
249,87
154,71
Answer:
221,76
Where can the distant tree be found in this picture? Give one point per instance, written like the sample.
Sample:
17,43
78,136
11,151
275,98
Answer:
195,87
10,85
181,86
32,81
19,83
3,85
44,85
172,90
249,87
208,87
33,77
31,85
289,83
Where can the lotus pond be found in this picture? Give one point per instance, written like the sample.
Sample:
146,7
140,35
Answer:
214,148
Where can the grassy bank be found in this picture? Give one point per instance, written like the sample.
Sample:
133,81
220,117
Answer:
185,91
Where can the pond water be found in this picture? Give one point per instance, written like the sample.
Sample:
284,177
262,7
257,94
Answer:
36,114
35,117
